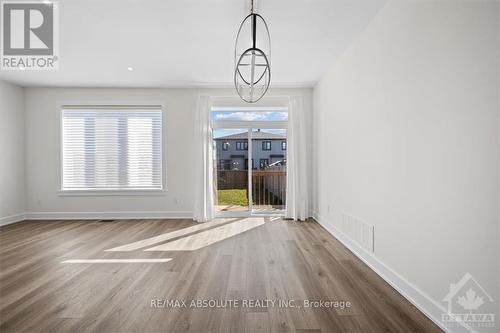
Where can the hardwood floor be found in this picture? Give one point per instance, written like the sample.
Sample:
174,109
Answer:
236,260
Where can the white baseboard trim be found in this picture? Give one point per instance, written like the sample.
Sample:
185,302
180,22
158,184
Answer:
12,219
418,298
109,215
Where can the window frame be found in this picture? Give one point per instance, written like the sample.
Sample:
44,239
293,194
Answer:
260,163
283,145
111,105
264,144
225,160
242,143
225,146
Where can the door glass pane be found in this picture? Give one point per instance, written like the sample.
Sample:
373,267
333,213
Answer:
269,172
231,169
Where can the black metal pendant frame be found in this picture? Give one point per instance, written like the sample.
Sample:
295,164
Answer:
253,52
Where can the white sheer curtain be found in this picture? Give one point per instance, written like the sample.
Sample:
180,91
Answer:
297,195
203,169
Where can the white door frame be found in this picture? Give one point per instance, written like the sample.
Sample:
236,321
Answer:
249,125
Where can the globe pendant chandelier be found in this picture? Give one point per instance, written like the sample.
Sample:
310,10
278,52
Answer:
252,56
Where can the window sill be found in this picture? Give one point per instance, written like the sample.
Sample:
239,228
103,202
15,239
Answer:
107,193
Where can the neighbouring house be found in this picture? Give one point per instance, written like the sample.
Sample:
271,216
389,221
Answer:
267,148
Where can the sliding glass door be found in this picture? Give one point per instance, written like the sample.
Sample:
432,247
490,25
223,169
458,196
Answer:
269,174
231,189
249,162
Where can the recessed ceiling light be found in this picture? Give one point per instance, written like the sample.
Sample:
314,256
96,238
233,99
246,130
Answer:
130,69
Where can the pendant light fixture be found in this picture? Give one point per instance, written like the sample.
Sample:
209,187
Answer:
252,57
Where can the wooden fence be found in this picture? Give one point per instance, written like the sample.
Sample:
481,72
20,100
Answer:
269,185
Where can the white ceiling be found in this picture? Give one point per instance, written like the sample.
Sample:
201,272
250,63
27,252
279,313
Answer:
189,43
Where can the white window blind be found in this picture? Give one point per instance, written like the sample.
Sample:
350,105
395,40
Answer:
111,148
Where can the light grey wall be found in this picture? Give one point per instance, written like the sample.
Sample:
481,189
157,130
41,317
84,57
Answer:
12,186
42,147
406,132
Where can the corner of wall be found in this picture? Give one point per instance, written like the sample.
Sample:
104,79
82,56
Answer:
12,103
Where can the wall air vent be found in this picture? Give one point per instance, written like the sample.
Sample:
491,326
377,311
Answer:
359,231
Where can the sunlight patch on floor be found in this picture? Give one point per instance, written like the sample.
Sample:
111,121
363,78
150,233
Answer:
168,236
209,237
114,261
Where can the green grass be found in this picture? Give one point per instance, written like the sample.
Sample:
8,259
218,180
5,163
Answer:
238,197
233,197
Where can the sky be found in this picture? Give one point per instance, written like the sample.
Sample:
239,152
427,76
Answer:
248,116
219,132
